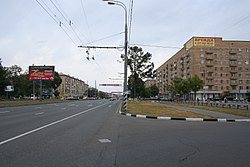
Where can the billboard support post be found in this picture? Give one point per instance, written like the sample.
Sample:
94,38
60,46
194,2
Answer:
41,89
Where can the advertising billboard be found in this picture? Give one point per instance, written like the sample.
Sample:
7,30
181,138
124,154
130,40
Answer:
200,42
204,42
41,72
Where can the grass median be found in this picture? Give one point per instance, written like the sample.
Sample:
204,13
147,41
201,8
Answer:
152,109
233,111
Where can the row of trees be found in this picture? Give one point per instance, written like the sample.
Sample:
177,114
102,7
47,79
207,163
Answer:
183,87
23,87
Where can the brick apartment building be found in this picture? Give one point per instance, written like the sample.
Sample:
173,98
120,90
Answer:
150,82
223,65
71,86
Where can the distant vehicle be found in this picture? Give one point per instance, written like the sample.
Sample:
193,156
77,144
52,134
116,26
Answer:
72,98
216,99
112,99
229,98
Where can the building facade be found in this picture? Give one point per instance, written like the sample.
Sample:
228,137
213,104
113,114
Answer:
150,82
223,65
71,86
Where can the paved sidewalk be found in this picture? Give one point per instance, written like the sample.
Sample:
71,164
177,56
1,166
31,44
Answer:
205,112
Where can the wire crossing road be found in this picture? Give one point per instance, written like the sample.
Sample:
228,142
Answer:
93,133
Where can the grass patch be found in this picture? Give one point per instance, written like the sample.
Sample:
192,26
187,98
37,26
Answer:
151,109
239,112
28,102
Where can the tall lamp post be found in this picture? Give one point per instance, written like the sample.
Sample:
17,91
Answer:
125,87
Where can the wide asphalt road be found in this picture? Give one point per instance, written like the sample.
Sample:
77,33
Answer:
93,134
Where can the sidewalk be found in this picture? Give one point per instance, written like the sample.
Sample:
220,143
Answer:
205,112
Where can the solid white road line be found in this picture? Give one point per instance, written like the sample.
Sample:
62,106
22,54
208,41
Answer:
48,125
104,140
39,113
3,112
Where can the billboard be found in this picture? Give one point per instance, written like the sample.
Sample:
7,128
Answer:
41,72
204,42
9,88
200,42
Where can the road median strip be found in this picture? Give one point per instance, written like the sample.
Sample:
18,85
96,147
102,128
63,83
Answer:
186,119
141,106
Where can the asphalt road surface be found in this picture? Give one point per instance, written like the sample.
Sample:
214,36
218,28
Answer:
93,134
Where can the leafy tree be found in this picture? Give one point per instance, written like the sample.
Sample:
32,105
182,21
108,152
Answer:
183,87
154,90
141,67
195,84
136,85
139,63
4,80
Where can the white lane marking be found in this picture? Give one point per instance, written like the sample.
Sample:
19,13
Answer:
63,108
38,107
110,105
2,112
90,105
48,125
40,113
104,140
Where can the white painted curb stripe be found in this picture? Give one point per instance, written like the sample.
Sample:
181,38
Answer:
165,118
141,116
194,119
242,120
189,119
221,120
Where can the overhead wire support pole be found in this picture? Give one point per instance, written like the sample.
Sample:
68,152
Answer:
125,86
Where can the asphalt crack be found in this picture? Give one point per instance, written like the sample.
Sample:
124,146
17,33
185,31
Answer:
189,155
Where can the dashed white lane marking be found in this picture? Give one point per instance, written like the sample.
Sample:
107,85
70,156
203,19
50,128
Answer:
104,140
40,113
48,125
90,105
38,107
110,105
63,108
2,112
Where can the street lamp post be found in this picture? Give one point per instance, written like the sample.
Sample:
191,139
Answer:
125,87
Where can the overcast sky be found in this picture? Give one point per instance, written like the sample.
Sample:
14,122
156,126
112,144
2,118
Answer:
29,35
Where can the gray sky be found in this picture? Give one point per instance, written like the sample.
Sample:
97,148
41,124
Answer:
29,35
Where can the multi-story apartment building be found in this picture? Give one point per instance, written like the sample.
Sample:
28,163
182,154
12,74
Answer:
71,86
150,82
223,65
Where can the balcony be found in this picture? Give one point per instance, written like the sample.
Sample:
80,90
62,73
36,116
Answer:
209,51
210,84
232,58
233,71
232,52
233,77
209,57
233,83
209,64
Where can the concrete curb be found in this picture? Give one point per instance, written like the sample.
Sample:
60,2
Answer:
186,119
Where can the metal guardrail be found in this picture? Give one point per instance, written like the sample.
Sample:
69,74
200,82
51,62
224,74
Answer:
216,104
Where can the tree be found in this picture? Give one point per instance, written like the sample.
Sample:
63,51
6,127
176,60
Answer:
139,63
136,86
4,80
141,67
195,84
183,87
154,90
